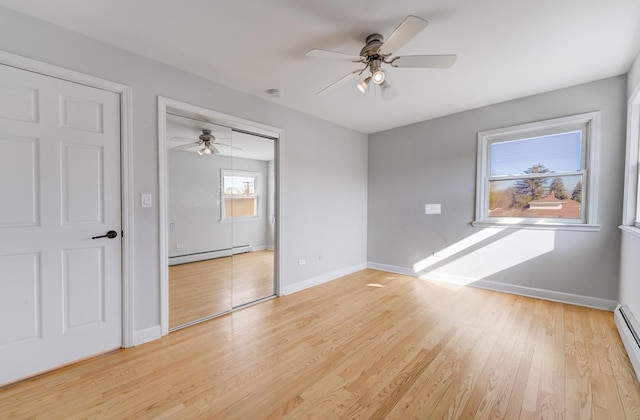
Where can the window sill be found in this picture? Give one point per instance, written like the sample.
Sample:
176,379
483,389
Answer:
632,230
241,219
535,226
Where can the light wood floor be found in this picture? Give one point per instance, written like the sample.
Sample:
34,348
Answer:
200,289
371,345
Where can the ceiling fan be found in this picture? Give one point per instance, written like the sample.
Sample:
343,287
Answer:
378,52
206,139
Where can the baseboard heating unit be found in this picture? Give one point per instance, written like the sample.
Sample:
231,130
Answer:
629,331
208,255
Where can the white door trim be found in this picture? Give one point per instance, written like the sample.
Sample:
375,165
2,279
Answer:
197,112
126,159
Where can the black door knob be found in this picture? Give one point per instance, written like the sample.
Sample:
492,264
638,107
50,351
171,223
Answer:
111,234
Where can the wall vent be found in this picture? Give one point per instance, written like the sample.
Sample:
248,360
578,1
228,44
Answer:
629,331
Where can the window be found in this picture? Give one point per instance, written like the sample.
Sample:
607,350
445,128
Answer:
240,192
539,175
631,209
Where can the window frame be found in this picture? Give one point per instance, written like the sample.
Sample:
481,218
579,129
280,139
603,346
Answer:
223,197
631,206
589,124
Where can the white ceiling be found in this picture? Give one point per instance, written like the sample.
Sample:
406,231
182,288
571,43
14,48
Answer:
506,48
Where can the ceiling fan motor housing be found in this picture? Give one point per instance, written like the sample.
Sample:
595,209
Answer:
374,42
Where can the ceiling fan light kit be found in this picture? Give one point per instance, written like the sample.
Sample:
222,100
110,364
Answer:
208,149
362,86
377,52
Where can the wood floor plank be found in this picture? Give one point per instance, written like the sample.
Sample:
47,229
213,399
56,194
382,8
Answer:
369,345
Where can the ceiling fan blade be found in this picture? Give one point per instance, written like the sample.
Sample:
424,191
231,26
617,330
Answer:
228,145
425,61
409,28
337,83
332,55
185,146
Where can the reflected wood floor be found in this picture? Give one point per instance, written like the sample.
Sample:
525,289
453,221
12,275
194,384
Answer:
370,345
200,289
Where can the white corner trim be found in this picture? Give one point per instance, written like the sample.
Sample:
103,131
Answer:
323,278
570,298
146,335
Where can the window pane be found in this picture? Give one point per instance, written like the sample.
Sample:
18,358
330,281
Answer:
239,185
554,153
551,197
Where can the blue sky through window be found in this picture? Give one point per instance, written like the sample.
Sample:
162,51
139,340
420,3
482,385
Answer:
558,152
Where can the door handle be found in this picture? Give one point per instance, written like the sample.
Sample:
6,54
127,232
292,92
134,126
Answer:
111,234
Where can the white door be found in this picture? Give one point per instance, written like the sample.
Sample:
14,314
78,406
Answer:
59,187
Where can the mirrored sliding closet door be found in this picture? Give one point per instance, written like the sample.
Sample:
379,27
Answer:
221,195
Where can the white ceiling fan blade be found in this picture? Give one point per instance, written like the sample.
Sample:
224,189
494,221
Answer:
332,55
338,83
228,145
409,28
186,146
425,61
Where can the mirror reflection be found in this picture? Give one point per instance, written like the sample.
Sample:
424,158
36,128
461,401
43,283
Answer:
221,219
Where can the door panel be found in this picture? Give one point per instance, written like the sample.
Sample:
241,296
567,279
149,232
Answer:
20,310
60,186
82,181
19,181
83,272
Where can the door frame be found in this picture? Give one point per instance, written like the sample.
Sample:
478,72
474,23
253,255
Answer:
126,167
204,114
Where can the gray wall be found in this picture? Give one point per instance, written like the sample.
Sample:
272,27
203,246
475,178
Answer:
194,204
435,162
324,166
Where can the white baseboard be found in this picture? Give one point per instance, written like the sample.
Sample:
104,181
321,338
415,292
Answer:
629,341
305,284
573,299
392,269
183,259
146,335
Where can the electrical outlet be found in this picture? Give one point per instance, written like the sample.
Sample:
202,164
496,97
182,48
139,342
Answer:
180,246
302,261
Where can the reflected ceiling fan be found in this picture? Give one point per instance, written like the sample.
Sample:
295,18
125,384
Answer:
377,52
206,140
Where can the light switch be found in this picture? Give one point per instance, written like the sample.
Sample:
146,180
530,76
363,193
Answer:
145,200
432,208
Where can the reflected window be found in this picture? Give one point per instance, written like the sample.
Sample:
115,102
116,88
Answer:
240,195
